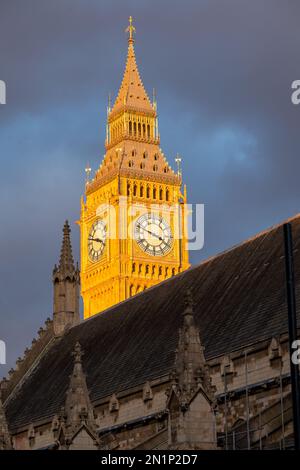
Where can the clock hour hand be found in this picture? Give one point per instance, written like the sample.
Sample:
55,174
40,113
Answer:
96,240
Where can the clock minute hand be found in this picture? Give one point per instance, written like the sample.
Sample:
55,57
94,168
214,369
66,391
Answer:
154,234
151,233
157,236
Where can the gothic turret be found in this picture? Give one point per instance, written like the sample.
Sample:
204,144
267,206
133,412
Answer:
78,427
191,401
66,287
191,370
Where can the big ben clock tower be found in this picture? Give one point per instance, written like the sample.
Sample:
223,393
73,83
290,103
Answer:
133,217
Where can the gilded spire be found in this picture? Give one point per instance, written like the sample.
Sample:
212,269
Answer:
132,93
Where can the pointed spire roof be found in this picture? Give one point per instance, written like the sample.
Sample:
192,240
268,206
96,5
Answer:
66,261
78,409
5,439
191,370
132,93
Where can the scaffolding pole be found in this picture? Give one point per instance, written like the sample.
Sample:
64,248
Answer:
281,406
247,401
225,409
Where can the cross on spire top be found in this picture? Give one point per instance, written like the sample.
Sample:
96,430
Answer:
130,29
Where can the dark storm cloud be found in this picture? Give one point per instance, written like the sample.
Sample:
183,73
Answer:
222,70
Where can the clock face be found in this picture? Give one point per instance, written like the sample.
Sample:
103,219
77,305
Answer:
96,240
153,234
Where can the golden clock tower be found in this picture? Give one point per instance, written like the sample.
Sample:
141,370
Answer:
133,217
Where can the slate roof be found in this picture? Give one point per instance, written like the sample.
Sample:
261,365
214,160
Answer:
239,299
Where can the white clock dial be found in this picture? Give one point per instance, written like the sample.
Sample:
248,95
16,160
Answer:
97,240
153,234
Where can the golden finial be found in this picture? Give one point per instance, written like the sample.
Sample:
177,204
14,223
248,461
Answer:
109,103
87,172
154,104
178,161
130,29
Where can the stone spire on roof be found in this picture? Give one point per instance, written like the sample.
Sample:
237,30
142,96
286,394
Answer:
191,423
78,409
191,370
66,262
132,93
5,439
66,288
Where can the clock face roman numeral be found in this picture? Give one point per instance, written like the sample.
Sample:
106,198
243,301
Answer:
153,235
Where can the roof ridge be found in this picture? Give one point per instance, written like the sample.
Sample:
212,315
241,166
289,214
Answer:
250,239
31,366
